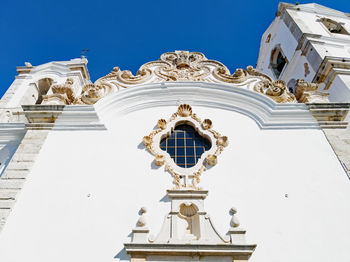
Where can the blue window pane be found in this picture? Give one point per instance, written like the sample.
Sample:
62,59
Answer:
199,151
189,151
171,142
189,142
190,160
163,143
180,151
189,135
180,142
185,146
207,145
190,165
180,160
171,151
179,135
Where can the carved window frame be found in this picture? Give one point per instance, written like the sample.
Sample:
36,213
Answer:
184,115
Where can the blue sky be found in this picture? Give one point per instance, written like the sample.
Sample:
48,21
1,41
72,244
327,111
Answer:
130,33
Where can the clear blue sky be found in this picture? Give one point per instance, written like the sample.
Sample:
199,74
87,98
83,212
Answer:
129,33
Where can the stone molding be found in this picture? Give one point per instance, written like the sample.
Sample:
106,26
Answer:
330,115
61,117
264,111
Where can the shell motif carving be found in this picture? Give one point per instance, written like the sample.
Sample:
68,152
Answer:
207,124
184,110
161,123
188,209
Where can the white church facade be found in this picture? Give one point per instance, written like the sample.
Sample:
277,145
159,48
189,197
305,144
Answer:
184,161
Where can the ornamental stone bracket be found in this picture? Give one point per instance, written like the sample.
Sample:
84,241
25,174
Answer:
61,117
188,233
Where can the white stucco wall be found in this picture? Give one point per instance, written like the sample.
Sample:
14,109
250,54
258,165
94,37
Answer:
81,199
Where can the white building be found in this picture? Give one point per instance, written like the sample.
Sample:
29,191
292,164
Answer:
186,144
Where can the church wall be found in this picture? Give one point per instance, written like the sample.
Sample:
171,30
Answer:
339,89
86,187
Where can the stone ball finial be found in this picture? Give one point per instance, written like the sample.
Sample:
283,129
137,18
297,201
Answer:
142,220
234,220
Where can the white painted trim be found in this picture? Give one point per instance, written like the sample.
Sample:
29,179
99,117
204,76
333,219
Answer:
263,110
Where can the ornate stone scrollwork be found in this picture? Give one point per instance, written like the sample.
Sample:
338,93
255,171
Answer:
276,90
185,177
184,66
308,93
61,94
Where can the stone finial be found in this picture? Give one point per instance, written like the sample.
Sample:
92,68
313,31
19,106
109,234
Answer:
237,234
142,220
140,233
234,220
27,64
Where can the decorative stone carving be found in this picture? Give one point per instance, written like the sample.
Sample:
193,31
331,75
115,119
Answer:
184,66
276,90
185,177
142,220
306,92
188,231
61,94
234,220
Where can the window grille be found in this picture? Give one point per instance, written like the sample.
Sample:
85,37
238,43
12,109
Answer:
185,146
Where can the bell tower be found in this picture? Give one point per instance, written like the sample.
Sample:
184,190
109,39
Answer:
309,42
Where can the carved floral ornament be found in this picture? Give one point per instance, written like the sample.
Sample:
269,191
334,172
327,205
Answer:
177,66
185,177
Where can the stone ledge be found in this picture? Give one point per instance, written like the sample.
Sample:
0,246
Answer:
29,148
10,193
6,203
15,183
330,115
10,174
24,157
15,165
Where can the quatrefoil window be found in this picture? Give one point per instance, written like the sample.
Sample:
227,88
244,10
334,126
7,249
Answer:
185,146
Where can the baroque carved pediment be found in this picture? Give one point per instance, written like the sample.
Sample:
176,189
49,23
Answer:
185,66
